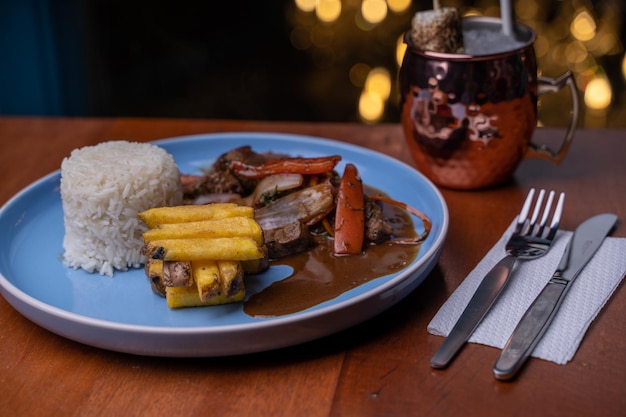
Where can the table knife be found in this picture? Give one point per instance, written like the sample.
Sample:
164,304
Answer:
584,243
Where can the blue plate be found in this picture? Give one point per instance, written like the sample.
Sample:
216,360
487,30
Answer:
122,313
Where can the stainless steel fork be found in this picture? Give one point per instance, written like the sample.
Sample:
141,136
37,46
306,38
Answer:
529,240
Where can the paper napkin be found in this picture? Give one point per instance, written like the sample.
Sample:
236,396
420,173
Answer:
588,294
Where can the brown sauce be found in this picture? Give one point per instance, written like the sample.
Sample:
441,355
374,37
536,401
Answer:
319,276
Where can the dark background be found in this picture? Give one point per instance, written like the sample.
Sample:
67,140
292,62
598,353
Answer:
207,59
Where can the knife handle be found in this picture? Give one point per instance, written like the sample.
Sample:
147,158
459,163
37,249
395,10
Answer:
530,329
482,300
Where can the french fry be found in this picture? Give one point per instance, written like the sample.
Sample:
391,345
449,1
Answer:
231,277
180,297
228,227
197,249
206,274
192,213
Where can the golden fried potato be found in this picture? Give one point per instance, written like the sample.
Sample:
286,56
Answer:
231,277
180,297
227,227
206,274
154,272
197,249
192,213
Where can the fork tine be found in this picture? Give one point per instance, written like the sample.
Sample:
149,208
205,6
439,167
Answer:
533,218
546,212
521,218
556,219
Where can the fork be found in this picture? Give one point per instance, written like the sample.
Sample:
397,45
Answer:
529,240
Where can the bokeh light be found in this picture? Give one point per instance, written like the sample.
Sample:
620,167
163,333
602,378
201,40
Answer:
398,6
305,5
328,10
376,92
583,26
598,93
379,82
374,11
371,107
400,49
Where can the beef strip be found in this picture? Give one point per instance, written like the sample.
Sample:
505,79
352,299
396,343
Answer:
176,274
377,229
288,240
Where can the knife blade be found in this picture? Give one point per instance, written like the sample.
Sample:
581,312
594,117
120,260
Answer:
484,297
584,243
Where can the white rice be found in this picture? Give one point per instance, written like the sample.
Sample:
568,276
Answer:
103,188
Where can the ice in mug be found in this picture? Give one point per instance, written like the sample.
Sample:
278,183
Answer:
484,41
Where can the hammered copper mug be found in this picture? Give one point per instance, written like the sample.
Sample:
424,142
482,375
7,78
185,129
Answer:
469,119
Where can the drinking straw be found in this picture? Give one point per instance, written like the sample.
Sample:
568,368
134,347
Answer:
506,13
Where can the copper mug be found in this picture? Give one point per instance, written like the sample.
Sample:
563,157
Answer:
469,119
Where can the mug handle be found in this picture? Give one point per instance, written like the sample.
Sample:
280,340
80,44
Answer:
551,85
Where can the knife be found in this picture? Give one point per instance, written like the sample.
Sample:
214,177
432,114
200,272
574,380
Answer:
584,243
480,303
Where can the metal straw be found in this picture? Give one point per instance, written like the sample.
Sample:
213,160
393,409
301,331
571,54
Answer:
506,14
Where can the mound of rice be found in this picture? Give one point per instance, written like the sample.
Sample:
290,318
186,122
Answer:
103,188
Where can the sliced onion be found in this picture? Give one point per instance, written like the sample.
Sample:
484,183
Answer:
218,198
299,206
276,183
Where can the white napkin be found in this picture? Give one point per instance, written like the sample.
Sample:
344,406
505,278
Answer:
589,292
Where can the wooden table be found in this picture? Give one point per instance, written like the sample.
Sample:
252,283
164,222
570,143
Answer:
378,368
